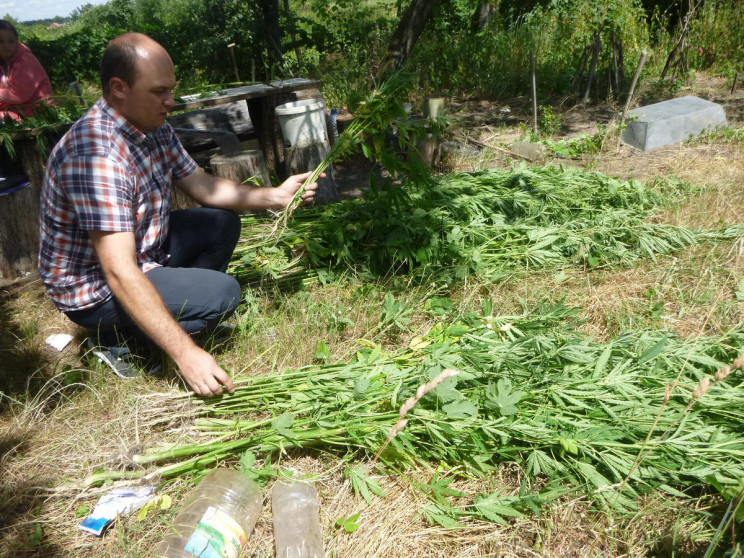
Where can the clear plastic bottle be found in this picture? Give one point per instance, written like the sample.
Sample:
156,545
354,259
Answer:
297,532
216,520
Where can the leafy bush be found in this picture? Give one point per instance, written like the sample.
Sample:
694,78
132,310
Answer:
73,56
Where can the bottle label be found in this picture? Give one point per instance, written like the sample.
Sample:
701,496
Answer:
217,536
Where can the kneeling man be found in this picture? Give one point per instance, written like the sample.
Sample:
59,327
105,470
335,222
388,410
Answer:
112,255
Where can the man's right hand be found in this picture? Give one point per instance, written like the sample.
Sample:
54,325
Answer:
203,374
138,296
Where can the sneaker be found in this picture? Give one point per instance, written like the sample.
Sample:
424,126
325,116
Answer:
121,361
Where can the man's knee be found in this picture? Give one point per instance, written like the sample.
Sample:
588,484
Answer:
230,294
229,223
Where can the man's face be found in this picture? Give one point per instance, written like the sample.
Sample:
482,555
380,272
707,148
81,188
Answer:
146,103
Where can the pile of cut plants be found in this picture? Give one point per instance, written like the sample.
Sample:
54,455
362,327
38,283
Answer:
642,414
482,224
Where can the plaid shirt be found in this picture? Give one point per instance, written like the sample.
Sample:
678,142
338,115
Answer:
104,175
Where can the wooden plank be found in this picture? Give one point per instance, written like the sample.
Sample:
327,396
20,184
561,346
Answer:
232,117
250,92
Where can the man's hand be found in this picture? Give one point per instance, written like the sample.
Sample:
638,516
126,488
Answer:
203,373
140,299
289,187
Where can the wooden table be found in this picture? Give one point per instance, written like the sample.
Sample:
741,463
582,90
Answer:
262,100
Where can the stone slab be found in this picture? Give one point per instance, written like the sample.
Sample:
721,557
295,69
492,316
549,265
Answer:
670,122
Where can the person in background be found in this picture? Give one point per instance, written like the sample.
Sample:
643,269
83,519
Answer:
23,84
23,81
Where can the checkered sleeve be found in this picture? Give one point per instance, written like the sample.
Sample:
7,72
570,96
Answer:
98,189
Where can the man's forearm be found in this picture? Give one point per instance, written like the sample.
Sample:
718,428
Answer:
137,295
215,191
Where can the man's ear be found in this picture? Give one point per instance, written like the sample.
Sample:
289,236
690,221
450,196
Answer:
118,88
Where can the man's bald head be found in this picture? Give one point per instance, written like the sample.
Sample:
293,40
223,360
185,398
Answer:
121,56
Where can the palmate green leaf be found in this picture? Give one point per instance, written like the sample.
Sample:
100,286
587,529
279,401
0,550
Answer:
362,484
361,386
540,463
653,351
460,409
446,391
501,399
438,489
603,359
435,515
494,507
568,445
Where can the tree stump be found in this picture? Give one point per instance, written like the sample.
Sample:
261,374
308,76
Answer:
242,166
19,216
307,158
182,200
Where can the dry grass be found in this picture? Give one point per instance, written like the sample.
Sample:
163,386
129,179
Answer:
71,419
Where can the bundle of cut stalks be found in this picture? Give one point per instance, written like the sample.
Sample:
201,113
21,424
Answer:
574,415
375,115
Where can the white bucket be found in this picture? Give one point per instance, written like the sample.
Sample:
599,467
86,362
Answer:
302,122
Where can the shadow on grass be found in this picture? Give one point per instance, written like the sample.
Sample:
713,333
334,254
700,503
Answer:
30,374
21,359
20,502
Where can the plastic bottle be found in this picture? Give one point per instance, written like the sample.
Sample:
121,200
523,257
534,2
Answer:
297,532
216,520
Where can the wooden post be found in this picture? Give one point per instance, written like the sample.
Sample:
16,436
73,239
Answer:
635,80
182,200
253,70
426,150
306,158
19,216
614,60
243,166
231,46
534,91
733,87
262,113
434,107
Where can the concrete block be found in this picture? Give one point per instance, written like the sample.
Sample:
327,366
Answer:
670,122
535,152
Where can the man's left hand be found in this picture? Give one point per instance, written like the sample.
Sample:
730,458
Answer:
289,187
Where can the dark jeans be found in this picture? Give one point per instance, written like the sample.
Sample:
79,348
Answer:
193,285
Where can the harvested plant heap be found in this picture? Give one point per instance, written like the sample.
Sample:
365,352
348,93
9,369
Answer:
611,422
484,223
